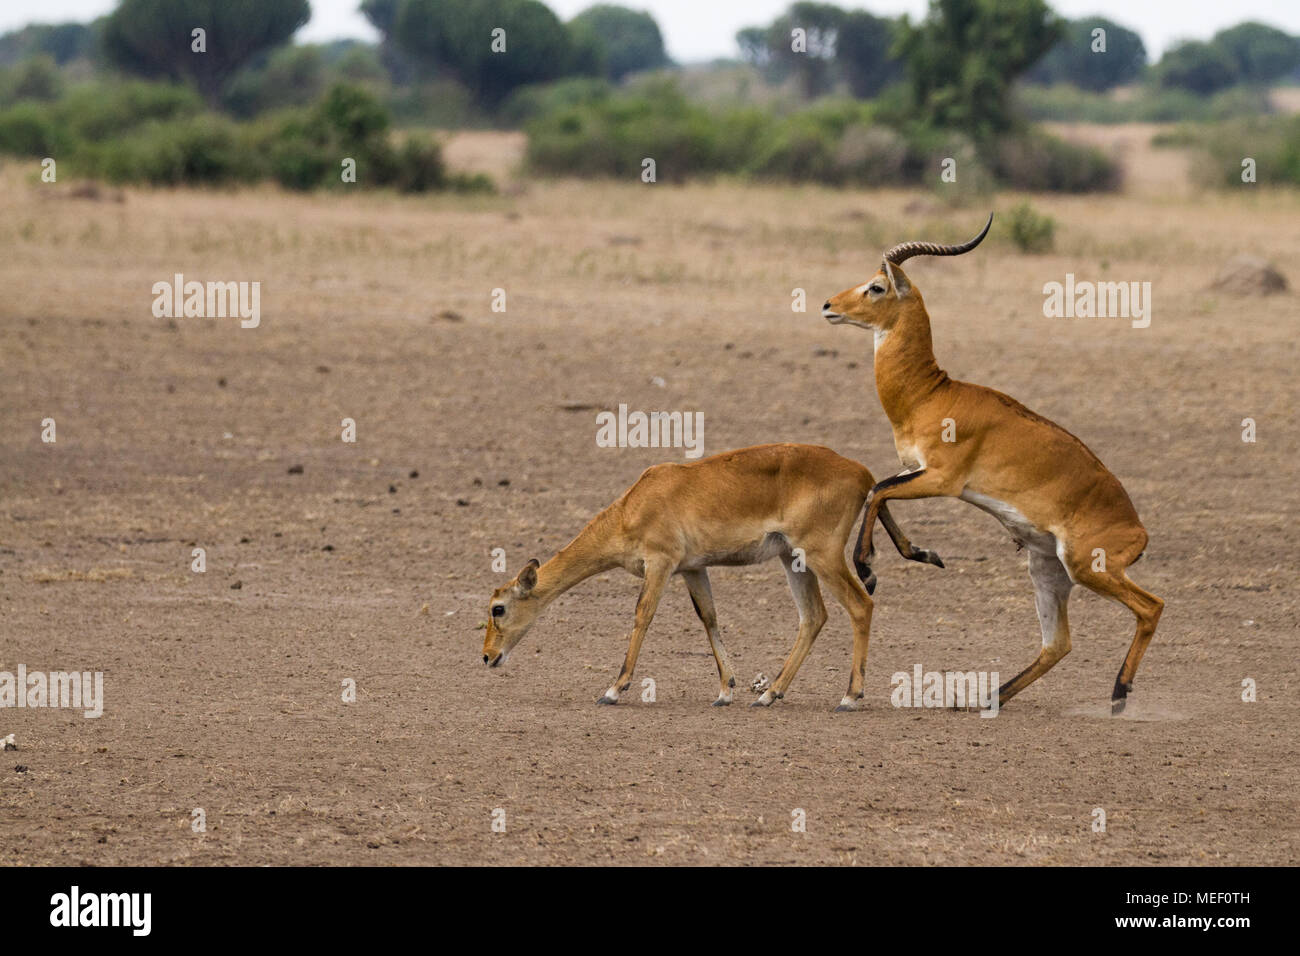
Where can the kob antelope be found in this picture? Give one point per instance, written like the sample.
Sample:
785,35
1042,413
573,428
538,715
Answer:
737,508
1038,480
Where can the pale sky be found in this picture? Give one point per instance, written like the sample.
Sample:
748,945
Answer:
697,30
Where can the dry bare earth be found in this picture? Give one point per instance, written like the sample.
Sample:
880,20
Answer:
229,699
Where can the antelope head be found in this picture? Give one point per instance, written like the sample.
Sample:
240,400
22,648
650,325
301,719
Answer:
880,302
511,612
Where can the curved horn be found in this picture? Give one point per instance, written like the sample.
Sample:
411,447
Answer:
905,250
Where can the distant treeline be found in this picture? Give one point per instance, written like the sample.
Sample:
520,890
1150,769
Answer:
837,96
864,53
452,40
820,47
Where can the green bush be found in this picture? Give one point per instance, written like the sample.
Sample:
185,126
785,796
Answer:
37,78
471,183
611,138
1148,104
297,162
610,135
159,134
834,142
104,125
307,149
352,114
1064,103
290,76
1030,231
1168,105
28,130
529,102
361,64
928,147
1036,161
1239,101
101,111
196,150
419,166
871,156
440,102
1274,144
800,149
931,148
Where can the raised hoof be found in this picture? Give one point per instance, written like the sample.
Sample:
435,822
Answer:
931,558
610,701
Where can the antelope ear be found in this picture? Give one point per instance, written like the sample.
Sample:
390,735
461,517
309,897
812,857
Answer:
528,577
898,279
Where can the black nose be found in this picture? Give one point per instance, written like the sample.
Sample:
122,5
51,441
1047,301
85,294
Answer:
485,658
827,304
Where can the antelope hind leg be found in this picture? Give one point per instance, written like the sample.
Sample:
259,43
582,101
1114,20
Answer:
1052,587
812,616
697,583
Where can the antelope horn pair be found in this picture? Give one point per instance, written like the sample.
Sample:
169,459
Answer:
905,250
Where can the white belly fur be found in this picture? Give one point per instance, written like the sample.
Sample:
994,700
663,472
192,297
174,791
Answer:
756,552
1025,533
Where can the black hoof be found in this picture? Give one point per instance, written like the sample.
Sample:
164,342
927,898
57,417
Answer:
843,708
934,559
602,699
720,702
1120,697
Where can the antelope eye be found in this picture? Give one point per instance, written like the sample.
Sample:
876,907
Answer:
876,289
498,610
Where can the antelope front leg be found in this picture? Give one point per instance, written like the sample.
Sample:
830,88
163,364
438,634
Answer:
656,576
924,483
904,546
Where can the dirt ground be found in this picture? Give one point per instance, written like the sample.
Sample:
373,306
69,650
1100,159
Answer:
476,430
